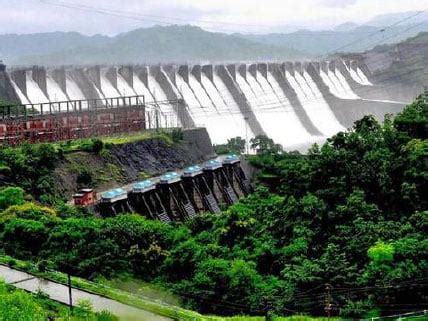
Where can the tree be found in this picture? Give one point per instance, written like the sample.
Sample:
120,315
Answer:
265,145
236,145
11,196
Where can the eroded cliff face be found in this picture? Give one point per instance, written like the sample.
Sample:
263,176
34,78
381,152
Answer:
127,163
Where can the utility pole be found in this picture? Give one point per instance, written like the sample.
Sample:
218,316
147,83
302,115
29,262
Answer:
328,300
246,118
70,298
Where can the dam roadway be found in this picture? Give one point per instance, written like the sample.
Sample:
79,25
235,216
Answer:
59,292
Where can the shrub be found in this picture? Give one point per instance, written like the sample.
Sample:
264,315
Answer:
97,145
11,196
28,211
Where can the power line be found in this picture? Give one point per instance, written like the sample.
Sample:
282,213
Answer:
374,33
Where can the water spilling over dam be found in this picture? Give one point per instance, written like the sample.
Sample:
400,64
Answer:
294,103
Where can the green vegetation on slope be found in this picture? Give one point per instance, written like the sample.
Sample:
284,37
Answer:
31,166
352,213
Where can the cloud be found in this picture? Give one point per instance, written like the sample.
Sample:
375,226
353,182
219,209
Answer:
337,3
26,16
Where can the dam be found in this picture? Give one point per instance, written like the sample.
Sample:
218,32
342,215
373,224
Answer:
294,103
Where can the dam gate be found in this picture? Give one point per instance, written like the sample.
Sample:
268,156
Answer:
216,184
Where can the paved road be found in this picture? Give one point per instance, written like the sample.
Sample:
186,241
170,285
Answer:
59,292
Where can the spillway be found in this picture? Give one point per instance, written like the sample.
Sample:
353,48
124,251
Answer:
124,88
167,114
319,111
228,126
20,94
363,77
107,88
229,110
34,92
347,90
73,90
294,103
274,112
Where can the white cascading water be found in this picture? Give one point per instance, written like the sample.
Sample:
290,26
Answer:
73,89
331,86
214,121
341,91
319,111
203,115
256,98
123,87
231,109
345,88
194,107
74,92
348,92
295,84
359,76
20,94
55,94
334,85
142,90
363,77
107,88
168,117
34,93
230,126
276,114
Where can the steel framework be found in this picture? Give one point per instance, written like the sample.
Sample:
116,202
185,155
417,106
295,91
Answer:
67,120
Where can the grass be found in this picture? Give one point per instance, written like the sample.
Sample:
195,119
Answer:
135,137
86,144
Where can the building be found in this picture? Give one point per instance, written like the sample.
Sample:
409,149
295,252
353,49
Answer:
85,197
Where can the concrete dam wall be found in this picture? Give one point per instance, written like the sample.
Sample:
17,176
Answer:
294,103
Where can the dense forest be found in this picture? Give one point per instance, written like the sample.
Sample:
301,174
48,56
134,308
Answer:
344,224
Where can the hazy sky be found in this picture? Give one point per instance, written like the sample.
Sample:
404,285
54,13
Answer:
28,16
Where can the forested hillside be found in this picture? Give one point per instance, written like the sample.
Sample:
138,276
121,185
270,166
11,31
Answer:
351,213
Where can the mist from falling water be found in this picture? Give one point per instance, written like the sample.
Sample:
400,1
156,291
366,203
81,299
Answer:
55,94
230,111
34,93
319,111
123,87
350,94
168,117
20,94
207,113
228,126
107,88
363,78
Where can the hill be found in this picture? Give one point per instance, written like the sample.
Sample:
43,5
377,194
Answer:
150,45
356,39
401,67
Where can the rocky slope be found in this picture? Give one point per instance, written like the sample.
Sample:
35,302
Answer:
126,163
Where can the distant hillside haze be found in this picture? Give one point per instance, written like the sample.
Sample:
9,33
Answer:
190,44
150,45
